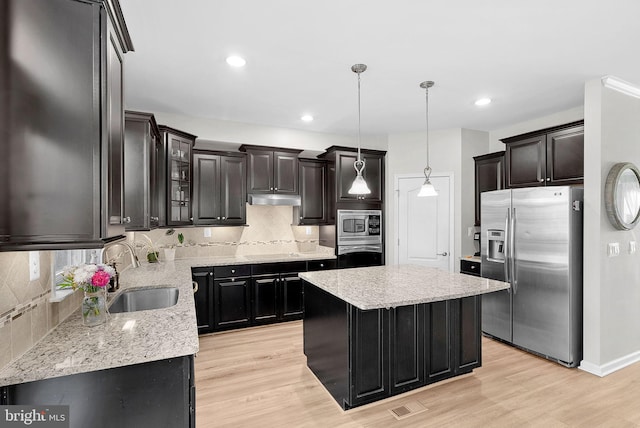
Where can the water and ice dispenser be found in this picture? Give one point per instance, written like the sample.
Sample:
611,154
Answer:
495,245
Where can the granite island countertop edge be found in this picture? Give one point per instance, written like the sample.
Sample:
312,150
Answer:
383,287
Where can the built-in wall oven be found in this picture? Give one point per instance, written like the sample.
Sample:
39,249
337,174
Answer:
359,238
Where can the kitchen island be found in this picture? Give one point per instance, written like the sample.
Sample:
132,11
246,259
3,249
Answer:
375,332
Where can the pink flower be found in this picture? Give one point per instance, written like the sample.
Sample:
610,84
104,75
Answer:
100,278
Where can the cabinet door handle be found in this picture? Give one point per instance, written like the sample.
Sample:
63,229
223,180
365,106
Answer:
210,273
127,219
218,218
195,287
271,188
276,188
224,218
154,219
541,180
548,179
233,271
321,264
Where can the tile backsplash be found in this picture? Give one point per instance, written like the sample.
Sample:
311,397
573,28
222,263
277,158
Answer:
269,231
26,315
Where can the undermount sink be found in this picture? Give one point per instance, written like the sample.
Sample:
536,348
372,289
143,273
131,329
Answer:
144,299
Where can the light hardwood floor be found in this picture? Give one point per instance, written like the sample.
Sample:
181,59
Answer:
257,377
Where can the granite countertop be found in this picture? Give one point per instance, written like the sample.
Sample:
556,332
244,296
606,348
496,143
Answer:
399,285
131,337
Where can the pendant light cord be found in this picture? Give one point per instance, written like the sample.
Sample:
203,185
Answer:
359,161
427,120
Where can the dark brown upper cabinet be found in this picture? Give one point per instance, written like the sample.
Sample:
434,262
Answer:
343,158
312,178
271,170
219,188
489,175
61,123
552,156
178,147
142,144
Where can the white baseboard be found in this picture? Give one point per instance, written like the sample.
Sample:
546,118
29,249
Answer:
610,367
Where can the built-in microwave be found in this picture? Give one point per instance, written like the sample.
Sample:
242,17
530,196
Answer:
359,227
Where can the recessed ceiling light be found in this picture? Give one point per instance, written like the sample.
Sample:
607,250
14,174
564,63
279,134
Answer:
483,101
236,61
307,118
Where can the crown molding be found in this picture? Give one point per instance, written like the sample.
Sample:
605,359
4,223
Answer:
620,85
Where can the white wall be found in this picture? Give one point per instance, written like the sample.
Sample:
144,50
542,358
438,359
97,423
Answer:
227,135
611,285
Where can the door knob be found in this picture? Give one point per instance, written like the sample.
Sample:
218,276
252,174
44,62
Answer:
442,254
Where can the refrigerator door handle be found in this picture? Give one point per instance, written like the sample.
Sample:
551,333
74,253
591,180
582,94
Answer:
512,247
505,249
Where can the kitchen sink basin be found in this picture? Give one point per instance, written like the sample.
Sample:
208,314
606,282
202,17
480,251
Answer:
144,299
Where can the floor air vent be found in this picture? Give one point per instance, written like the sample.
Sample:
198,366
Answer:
409,409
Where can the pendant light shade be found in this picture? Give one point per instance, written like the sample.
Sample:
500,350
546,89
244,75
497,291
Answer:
359,186
427,188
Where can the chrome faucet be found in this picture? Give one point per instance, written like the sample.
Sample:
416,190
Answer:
134,259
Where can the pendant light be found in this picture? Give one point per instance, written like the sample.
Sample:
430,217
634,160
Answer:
427,188
359,186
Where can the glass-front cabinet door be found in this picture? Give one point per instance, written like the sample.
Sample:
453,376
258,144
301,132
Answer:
179,156
180,173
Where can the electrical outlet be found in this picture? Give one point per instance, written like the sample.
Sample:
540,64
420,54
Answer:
470,231
632,247
34,265
308,230
613,249
207,232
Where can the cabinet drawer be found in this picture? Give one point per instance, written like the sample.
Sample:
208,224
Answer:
276,268
313,265
231,271
470,267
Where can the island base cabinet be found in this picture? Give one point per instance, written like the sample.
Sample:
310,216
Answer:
362,356
156,394
369,350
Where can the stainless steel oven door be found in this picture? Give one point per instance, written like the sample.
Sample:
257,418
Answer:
350,249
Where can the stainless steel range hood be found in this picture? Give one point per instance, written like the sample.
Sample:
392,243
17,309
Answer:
269,199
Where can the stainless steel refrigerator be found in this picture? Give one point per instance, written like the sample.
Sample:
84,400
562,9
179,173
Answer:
532,238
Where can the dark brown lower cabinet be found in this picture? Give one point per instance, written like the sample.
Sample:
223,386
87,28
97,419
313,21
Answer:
154,394
237,296
370,363
232,308
364,356
406,348
276,292
231,296
203,298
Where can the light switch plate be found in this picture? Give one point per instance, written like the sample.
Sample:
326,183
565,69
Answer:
207,232
632,247
470,231
613,249
34,265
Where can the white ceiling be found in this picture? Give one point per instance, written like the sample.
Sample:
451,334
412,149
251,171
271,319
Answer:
532,58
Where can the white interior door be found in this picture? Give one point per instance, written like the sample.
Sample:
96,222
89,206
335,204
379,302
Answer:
424,225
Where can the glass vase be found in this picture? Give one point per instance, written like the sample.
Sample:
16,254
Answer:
94,308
